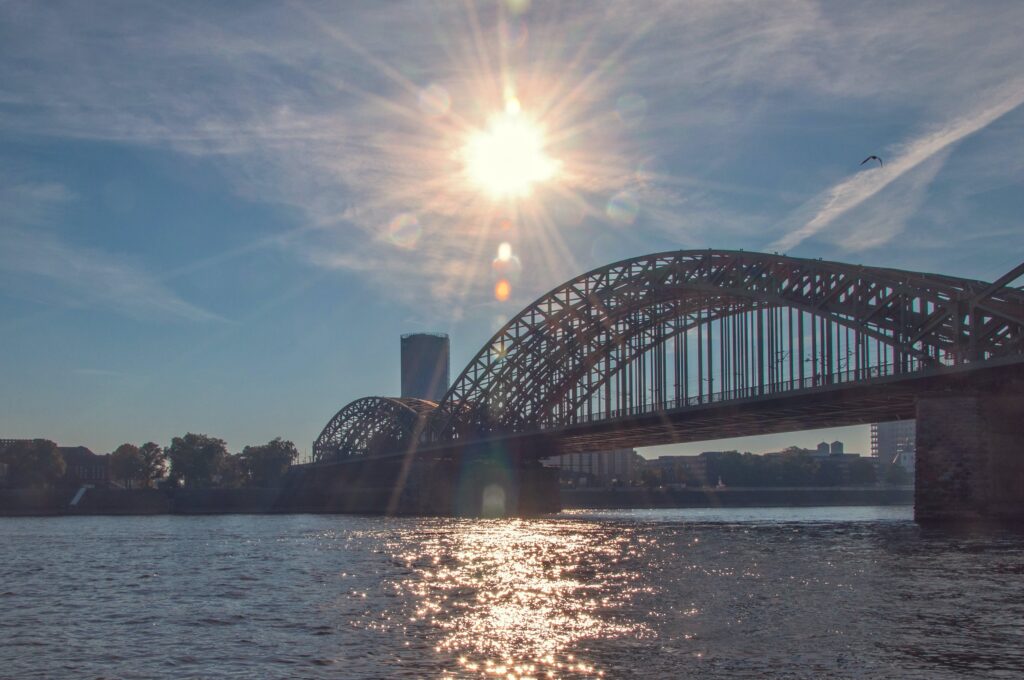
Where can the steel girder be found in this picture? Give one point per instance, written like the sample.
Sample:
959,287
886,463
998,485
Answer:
370,426
590,328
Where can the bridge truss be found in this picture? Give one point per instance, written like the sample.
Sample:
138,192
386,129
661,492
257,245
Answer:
682,329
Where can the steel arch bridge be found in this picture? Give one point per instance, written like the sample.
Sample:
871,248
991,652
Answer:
682,330
371,424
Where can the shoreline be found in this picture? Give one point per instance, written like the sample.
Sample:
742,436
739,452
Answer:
116,502
738,497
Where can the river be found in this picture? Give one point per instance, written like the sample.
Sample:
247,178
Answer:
740,593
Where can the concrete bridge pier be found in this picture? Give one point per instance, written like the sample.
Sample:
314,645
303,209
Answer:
505,480
485,479
970,456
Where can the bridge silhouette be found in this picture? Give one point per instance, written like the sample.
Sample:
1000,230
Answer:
705,344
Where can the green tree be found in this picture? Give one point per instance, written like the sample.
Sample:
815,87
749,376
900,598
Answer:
828,474
233,472
33,463
896,475
196,459
797,470
154,463
126,464
266,464
862,471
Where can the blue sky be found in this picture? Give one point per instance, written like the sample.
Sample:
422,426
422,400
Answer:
219,217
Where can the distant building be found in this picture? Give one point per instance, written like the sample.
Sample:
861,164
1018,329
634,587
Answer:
826,454
688,470
85,467
82,466
599,468
425,371
895,443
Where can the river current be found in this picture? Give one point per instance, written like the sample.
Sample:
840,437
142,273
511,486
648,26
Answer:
793,593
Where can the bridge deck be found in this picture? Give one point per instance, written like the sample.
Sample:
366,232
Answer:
878,400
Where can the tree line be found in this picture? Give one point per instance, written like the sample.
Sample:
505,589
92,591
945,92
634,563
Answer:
36,462
796,468
193,460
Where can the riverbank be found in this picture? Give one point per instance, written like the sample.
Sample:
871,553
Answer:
56,502
766,497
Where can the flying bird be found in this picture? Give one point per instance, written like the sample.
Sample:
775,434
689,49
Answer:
872,158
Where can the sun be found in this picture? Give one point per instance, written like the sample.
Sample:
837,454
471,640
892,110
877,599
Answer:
509,157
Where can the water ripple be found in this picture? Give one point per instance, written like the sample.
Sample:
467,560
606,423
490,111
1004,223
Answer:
850,593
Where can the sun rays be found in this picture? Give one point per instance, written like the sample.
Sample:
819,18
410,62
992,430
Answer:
507,146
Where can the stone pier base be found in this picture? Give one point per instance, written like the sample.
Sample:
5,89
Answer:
970,457
483,480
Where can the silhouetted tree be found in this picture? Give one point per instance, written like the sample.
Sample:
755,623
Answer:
862,472
828,473
896,475
797,470
232,473
154,463
126,464
196,459
33,463
267,463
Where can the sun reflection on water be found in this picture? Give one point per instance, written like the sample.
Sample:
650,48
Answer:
515,599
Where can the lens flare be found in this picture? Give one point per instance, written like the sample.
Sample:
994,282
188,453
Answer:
493,503
508,158
517,6
515,34
502,289
623,208
498,349
504,252
404,230
509,269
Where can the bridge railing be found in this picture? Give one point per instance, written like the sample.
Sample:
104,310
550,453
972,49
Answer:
748,392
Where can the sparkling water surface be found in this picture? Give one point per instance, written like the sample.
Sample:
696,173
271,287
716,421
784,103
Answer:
744,593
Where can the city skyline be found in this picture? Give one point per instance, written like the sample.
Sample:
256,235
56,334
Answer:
223,225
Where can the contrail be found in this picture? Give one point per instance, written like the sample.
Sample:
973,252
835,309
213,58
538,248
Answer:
851,192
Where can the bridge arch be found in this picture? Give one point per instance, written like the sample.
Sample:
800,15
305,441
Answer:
370,426
677,328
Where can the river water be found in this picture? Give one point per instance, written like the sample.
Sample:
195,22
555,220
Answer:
746,593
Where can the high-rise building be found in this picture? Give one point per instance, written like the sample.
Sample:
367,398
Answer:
895,443
425,365
600,468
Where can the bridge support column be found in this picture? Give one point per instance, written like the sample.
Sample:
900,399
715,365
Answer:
498,480
970,456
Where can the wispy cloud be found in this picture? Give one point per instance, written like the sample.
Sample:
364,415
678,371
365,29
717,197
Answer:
316,107
98,373
39,264
85,277
847,195
876,222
